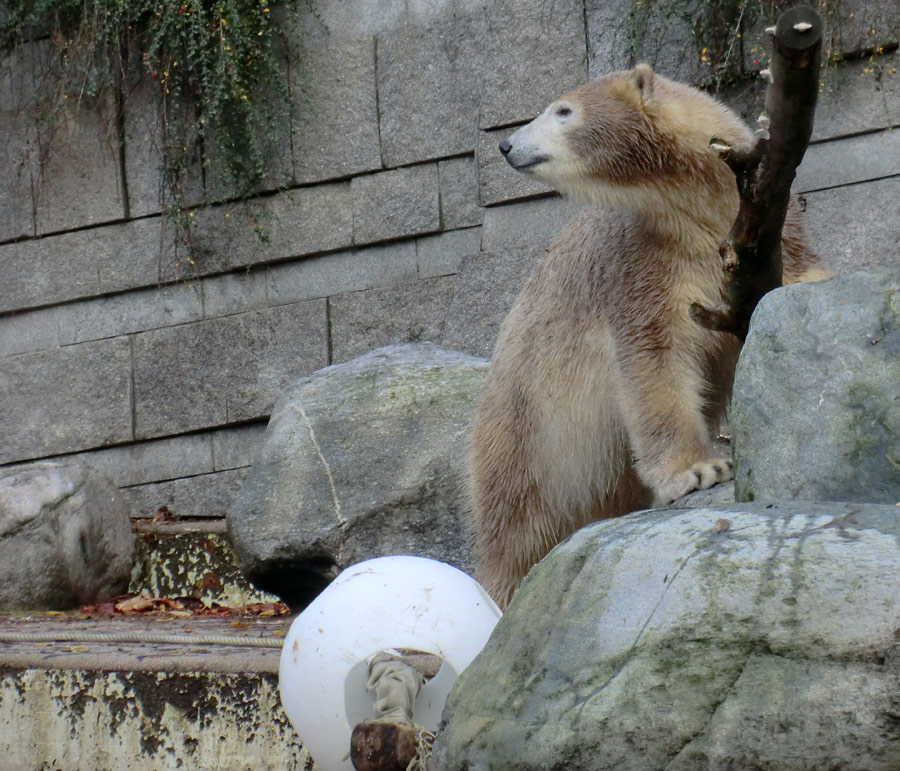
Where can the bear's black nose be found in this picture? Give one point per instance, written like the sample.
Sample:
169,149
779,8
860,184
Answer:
505,146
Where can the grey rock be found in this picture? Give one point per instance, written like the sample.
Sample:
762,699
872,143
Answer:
429,84
326,20
65,537
661,641
535,52
848,161
350,271
486,288
442,254
65,399
459,193
718,495
498,182
852,226
335,97
400,202
223,370
360,460
816,406
403,313
204,495
129,312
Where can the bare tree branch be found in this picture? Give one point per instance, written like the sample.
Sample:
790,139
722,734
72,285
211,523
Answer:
765,170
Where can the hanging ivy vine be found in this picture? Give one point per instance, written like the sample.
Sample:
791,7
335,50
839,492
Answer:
215,68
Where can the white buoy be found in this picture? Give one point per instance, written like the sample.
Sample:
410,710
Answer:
385,603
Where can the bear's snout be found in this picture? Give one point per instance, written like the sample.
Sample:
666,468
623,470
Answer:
505,147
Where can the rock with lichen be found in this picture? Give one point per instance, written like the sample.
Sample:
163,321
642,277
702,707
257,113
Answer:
816,406
747,636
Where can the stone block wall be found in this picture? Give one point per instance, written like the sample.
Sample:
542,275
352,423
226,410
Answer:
390,217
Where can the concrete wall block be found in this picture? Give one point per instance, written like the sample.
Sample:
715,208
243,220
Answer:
235,447
621,33
459,193
429,84
856,227
850,160
234,293
442,254
29,331
290,224
225,370
405,313
16,203
65,399
858,96
334,20
342,272
153,461
532,224
396,203
130,312
143,156
207,495
46,271
486,288
536,54
498,182
335,101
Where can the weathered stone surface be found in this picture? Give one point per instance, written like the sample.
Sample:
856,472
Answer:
853,227
291,224
433,73
204,495
16,202
498,182
334,96
535,52
129,312
133,464
486,288
65,399
107,715
404,313
342,272
459,193
855,97
442,254
850,160
532,224
143,159
234,293
660,641
391,204
816,406
235,447
28,331
65,537
620,34
399,416
224,370
332,21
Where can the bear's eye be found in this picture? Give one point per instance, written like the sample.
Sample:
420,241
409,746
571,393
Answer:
564,111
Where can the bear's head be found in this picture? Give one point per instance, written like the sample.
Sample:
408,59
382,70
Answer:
625,133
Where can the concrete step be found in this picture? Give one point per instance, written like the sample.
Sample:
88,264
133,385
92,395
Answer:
143,694
190,557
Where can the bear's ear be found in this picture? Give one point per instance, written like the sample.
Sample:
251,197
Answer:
643,81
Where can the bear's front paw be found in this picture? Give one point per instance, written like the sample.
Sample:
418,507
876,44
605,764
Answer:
700,476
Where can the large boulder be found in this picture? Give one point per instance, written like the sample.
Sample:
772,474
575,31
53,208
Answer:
816,407
65,537
744,637
360,460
